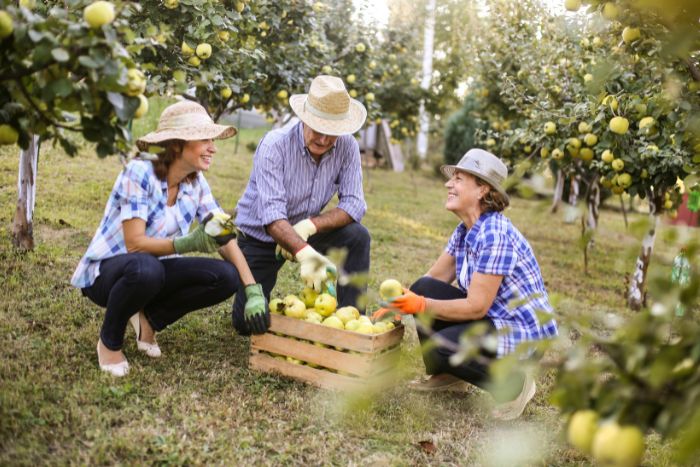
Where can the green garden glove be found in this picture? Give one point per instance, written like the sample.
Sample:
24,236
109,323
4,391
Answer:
256,314
197,240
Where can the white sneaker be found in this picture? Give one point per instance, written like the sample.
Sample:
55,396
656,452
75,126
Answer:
514,409
152,350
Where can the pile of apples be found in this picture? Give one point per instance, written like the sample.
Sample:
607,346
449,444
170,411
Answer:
322,308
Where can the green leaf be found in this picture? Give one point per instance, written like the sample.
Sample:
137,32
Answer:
88,62
60,88
60,54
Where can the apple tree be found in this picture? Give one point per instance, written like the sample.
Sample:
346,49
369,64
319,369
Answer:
65,71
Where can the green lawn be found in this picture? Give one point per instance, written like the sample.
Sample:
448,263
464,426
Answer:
200,404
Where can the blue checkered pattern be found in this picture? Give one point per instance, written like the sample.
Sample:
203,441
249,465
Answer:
494,246
286,182
138,193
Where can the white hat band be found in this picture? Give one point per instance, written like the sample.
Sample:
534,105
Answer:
308,106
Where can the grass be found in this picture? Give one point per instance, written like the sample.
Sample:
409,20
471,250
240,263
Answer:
200,404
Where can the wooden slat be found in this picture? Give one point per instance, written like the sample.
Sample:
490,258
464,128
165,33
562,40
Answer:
320,378
336,337
360,364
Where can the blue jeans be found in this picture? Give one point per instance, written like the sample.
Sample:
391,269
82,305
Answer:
165,290
264,264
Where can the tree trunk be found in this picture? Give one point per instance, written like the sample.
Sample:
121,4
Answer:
593,202
22,228
558,191
428,40
636,297
574,190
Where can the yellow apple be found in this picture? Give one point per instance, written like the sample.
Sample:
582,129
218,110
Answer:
318,7
326,70
313,316
282,94
365,328
308,296
325,304
646,122
353,93
630,34
276,306
360,47
618,446
390,289
574,143
373,64
668,204
607,156
582,428
590,139
345,314
187,51
224,36
618,165
294,308
245,98
350,79
171,4
490,142
572,5
584,127
142,109
587,77
624,180
619,125
295,361
557,154
99,13
352,325
333,322
203,51
597,41
239,6
544,152
610,11
586,154
8,135
29,4
226,92
136,82
6,24
550,128
611,101
194,60
369,97
379,327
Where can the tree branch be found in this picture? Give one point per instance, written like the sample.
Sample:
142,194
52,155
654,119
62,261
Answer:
693,68
25,72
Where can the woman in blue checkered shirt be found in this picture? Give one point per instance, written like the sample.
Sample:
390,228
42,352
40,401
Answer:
132,266
500,295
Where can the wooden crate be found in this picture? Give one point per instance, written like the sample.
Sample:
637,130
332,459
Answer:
347,360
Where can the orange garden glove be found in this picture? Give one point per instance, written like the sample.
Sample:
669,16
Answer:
409,303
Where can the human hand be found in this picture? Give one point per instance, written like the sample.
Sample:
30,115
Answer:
255,313
220,226
314,268
197,240
304,229
408,303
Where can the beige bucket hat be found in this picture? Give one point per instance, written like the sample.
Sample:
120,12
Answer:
185,120
328,108
481,164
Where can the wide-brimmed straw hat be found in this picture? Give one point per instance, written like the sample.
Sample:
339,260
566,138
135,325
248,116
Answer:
328,108
185,120
481,164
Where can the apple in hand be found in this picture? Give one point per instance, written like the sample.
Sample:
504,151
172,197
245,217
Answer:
390,289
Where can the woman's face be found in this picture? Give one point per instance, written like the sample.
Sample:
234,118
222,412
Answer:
197,155
463,193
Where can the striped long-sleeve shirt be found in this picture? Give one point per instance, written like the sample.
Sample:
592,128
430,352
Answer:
287,183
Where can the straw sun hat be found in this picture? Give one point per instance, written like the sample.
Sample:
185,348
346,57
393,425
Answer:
481,164
185,120
328,108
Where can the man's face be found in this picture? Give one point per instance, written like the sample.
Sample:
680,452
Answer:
317,143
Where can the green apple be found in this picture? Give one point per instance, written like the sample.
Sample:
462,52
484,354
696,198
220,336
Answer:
572,5
607,156
6,24
610,11
142,108
276,306
550,128
345,314
618,446
312,316
353,93
586,154
325,304
136,83
171,4
379,327
557,154
203,50
360,47
226,92
646,122
619,125
8,135
194,61
390,289
282,94
364,319
590,139
239,6
618,165
326,70
224,36
582,428
245,98
99,13
333,322
630,34
624,180
350,79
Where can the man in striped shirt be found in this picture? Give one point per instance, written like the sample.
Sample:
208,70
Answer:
296,172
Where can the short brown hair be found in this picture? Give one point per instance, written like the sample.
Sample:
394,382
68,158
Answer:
493,200
172,149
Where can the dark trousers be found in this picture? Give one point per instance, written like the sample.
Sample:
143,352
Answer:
165,290
437,357
264,265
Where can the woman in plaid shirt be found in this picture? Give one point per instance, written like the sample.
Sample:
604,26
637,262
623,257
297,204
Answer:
133,266
500,295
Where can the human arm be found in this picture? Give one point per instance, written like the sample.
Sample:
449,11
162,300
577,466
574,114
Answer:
328,221
137,241
444,268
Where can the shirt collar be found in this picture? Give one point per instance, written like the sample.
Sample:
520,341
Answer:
472,233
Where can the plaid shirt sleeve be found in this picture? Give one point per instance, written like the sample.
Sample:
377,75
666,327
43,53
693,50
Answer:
132,192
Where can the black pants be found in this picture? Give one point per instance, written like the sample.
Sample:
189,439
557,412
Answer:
437,357
165,289
264,265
